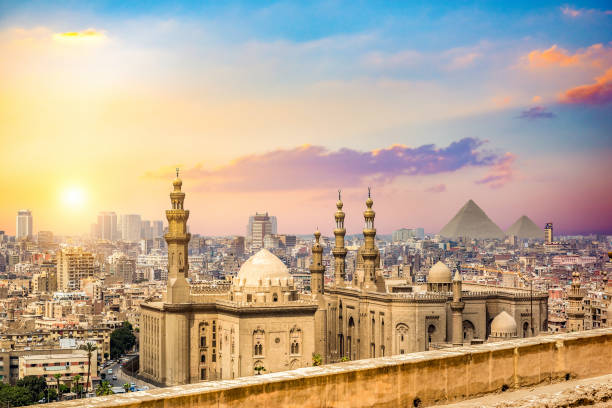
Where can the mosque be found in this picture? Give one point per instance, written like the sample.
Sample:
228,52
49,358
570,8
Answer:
259,323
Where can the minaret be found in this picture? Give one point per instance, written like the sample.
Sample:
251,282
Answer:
575,313
177,239
317,270
457,306
339,251
369,251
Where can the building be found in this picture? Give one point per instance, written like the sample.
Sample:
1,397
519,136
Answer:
131,225
107,226
73,264
68,365
157,228
124,268
404,234
237,246
24,225
548,233
260,225
260,321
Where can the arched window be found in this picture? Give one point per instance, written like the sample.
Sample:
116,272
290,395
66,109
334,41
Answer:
203,358
295,339
469,331
258,341
275,297
401,331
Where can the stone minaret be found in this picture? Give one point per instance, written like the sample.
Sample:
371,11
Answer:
457,306
177,239
317,270
339,251
369,251
575,313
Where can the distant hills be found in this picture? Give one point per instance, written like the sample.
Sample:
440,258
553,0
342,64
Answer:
472,222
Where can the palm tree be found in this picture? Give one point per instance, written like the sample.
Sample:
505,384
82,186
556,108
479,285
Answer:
59,392
89,348
316,359
104,389
77,387
127,387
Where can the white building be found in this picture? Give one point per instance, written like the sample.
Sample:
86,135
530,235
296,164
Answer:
130,227
24,224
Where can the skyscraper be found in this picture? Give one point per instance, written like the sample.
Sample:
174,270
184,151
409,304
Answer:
130,227
107,226
259,226
548,233
73,264
24,224
157,228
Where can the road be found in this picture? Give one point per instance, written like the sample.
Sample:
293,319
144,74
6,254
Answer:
116,372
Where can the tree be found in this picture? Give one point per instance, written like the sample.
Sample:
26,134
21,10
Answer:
106,356
122,340
345,358
259,369
51,394
59,390
77,388
316,359
15,396
104,389
127,387
36,385
89,348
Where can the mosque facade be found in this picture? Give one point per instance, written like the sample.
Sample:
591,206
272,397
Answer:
260,323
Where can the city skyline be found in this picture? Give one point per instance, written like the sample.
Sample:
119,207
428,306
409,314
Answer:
274,107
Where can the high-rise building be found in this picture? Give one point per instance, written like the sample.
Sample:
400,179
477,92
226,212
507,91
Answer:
130,227
73,264
45,238
125,268
107,226
146,230
403,234
259,226
24,224
157,228
548,233
237,246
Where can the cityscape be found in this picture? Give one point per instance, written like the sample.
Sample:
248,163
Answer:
306,204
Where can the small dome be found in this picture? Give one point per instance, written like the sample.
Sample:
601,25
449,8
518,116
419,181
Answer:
503,325
260,267
439,273
177,182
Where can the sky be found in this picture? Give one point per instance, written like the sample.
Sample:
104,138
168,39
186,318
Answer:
274,106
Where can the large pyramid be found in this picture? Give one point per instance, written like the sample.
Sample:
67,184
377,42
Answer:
471,222
524,228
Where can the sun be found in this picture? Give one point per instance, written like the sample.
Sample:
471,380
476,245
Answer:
73,197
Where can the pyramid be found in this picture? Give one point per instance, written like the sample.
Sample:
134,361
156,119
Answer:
471,222
524,228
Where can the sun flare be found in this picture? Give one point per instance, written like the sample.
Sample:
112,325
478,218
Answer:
73,197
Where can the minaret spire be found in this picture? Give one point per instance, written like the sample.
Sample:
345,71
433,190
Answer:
177,239
339,251
317,270
369,251
575,312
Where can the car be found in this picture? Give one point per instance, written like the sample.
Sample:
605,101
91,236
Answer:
110,370
114,378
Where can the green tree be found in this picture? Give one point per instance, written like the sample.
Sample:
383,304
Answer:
104,389
77,388
89,348
51,394
127,387
345,358
316,359
36,385
15,396
122,340
59,390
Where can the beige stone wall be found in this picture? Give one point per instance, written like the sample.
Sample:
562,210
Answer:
433,377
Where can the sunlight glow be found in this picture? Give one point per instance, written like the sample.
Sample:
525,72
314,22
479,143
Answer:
73,197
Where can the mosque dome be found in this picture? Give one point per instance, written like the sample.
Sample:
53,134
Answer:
260,267
439,273
503,325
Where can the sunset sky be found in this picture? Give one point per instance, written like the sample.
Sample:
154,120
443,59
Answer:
274,106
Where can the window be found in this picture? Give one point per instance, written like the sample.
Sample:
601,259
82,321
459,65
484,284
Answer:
203,341
258,351
275,297
203,358
203,374
214,357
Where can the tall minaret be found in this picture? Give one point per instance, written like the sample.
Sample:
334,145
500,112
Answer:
575,312
457,306
177,239
317,270
339,251
369,251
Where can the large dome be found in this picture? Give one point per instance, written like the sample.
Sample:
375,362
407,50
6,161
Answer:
439,273
260,267
503,325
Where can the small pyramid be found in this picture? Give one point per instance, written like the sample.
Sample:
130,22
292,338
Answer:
524,228
472,222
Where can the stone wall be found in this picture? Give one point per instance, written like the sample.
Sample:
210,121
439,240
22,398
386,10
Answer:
432,377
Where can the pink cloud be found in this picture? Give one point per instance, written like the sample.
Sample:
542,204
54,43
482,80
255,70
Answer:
598,93
595,56
537,112
439,188
313,167
501,173
571,12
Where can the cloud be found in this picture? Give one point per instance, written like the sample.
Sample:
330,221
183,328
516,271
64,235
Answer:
595,56
501,173
536,112
574,12
438,188
87,34
313,167
571,12
536,99
599,93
